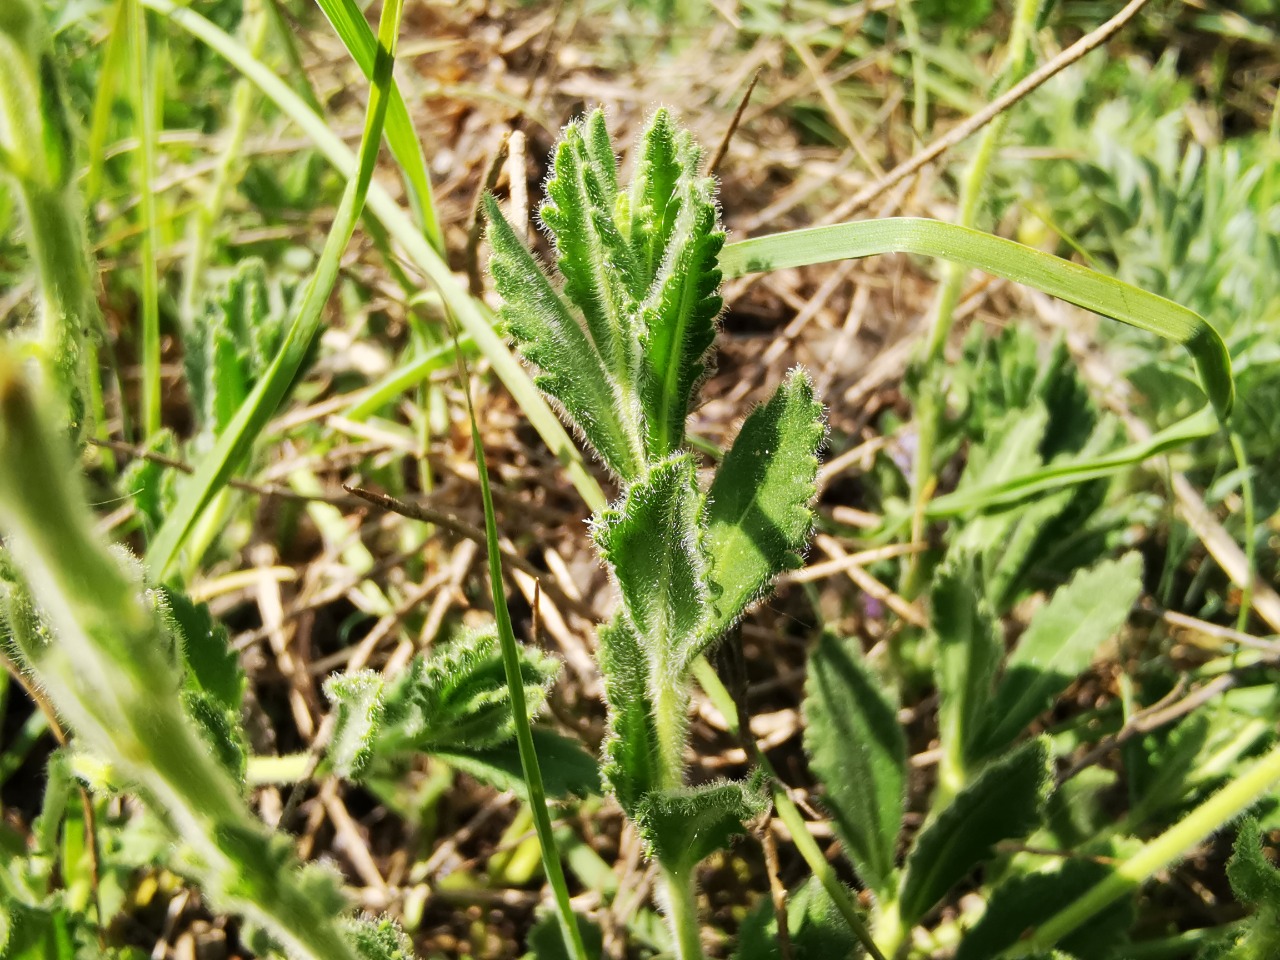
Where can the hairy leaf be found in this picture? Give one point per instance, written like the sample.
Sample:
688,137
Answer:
758,509
814,926
380,939
653,199
458,698
969,651
678,317
858,750
1003,803
567,769
211,664
651,543
549,336
1059,644
683,827
359,700
599,270
631,765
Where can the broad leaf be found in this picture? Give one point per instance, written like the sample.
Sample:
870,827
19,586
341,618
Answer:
758,514
1003,803
683,827
631,766
814,926
858,750
651,544
1059,645
358,700
968,654
567,770
573,371
546,941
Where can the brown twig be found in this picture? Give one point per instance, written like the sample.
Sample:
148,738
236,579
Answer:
999,105
723,146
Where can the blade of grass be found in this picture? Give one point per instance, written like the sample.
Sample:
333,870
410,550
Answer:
144,102
104,99
235,441
471,314
356,35
515,687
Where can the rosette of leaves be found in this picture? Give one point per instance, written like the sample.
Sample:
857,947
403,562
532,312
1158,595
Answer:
622,345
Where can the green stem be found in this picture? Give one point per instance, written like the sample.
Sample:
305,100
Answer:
1172,845
682,914
145,109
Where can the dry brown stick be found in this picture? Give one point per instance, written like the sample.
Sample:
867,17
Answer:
471,254
777,891
723,147
999,105
423,514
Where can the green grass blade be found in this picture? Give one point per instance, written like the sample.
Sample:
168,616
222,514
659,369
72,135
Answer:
472,316
1003,258
108,88
519,711
357,36
234,442
146,101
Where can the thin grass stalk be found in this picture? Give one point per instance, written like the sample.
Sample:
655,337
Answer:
529,766
474,318
1017,64
146,93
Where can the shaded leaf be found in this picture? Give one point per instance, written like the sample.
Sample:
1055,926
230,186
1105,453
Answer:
567,769
683,827
814,925
858,750
631,766
1060,643
380,939
758,516
1003,803
211,664
546,940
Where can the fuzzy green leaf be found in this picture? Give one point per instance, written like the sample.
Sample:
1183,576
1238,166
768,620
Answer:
969,651
549,336
631,766
458,698
1254,879
653,201
358,698
1059,644
567,769
600,276
678,316
684,826
1003,803
651,543
758,509
814,926
211,665
858,750
380,939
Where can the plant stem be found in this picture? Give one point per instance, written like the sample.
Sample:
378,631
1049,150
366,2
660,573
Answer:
145,109
682,913
1220,809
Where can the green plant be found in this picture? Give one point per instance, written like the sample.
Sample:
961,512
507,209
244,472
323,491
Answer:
623,348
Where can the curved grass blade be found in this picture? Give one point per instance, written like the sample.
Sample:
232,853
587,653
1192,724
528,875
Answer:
472,315
1003,258
519,711
357,36
234,442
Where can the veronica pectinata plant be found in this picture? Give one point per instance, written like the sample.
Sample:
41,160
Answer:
622,346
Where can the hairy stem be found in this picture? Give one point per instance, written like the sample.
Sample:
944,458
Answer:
682,913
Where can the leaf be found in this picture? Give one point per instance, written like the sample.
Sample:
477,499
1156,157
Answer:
567,769
814,926
1254,878
631,767
1003,803
548,335
458,698
653,196
684,826
1022,903
211,664
858,750
678,317
599,270
380,939
359,700
546,942
651,545
970,646
1059,645
758,516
